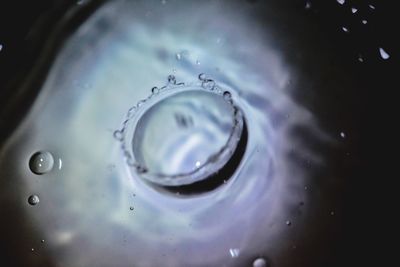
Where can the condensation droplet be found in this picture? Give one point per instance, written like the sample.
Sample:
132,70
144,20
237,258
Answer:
41,162
260,262
383,53
341,1
33,200
354,10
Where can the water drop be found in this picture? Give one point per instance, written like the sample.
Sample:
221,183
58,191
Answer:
364,21
308,5
131,208
178,56
354,10
234,252
341,1
42,241
33,200
32,249
288,223
345,29
260,262
342,134
155,90
383,53
41,162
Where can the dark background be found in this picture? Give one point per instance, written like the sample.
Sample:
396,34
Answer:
371,109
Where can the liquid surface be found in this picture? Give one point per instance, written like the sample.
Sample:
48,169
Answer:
105,214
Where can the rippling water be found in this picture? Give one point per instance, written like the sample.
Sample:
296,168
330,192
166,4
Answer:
94,211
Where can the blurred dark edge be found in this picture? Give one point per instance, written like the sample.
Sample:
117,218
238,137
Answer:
369,215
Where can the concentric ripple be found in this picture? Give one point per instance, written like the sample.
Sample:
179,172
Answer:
181,134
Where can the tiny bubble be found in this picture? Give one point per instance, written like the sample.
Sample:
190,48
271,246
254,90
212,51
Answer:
354,10
202,76
131,208
345,29
288,223
371,7
227,95
342,134
364,21
172,79
118,135
178,56
308,5
33,200
155,90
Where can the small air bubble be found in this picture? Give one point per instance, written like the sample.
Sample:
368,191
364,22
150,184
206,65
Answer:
171,79
32,249
198,164
364,21
308,5
42,241
288,223
345,29
260,262
227,95
354,10
155,90
383,53
202,76
118,135
41,162
33,200
342,134
371,7
197,62
341,1
131,208
1,47
178,56
360,58
332,213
